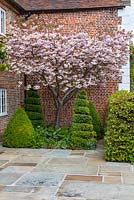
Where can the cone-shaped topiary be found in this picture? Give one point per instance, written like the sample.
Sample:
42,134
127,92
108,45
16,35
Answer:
19,132
82,134
33,108
96,120
119,136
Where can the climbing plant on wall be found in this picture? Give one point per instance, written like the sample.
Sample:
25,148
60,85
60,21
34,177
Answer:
132,68
3,54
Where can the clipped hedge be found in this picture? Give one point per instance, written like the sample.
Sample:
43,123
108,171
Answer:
82,134
19,132
119,136
96,120
33,108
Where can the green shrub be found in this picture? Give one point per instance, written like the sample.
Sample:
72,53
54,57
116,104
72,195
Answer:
53,138
82,133
119,137
96,120
33,108
19,132
4,65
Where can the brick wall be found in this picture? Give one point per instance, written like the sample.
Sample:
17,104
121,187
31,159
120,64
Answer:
8,80
10,15
98,95
93,21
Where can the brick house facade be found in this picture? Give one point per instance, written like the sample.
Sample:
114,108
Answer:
90,16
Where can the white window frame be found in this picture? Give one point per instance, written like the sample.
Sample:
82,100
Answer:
3,102
2,32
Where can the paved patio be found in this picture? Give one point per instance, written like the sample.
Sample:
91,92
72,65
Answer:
27,174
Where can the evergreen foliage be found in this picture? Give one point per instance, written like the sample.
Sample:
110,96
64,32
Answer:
82,134
119,136
19,132
96,120
4,65
33,108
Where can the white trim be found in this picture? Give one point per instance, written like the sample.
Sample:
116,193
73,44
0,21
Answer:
4,91
4,25
127,17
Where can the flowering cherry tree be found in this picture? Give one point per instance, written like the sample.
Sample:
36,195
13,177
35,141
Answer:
66,63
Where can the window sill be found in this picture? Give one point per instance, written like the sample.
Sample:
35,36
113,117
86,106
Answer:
3,115
3,34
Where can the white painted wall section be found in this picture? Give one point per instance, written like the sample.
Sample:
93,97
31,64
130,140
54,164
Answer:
127,15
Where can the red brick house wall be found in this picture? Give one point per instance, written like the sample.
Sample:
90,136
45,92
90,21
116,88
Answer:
8,80
94,20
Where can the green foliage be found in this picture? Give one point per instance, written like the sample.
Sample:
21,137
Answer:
96,120
82,133
132,68
4,65
131,158
53,138
33,108
119,137
20,132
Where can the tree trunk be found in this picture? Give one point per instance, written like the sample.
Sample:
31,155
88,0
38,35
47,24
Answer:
58,115
59,103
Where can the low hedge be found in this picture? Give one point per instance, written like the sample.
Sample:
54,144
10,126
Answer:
119,136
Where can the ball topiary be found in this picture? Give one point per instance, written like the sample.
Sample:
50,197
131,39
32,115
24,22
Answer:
19,132
119,136
96,120
33,108
82,134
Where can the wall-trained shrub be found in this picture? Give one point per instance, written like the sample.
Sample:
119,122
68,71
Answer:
19,132
33,108
119,136
96,120
82,134
132,68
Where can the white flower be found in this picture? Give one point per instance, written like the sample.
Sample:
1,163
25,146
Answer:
36,87
28,87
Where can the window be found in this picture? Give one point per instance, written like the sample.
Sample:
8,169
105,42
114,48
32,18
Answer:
3,102
2,21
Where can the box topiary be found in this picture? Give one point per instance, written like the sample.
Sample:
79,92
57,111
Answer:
82,133
19,132
119,136
96,120
33,108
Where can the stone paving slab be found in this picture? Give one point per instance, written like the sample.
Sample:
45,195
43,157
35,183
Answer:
9,178
17,169
67,161
67,169
46,174
40,179
29,159
73,189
